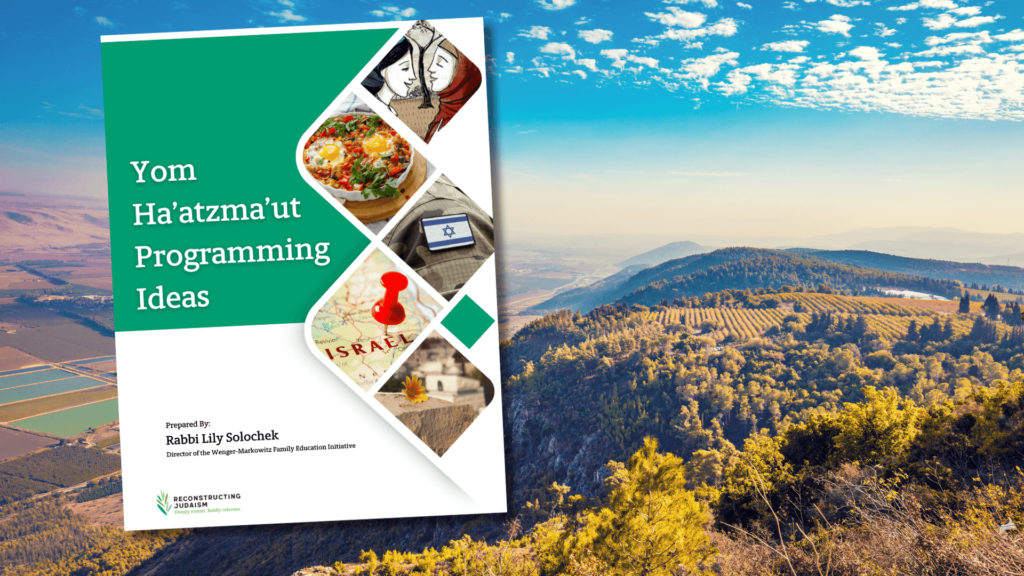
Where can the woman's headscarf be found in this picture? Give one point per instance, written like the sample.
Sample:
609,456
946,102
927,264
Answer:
465,83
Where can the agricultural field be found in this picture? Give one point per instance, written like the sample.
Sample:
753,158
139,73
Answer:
50,388
39,406
740,321
72,421
60,342
90,361
888,317
16,280
16,315
103,367
108,511
13,361
15,443
63,466
33,377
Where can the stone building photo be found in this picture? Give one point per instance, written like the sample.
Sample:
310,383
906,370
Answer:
437,393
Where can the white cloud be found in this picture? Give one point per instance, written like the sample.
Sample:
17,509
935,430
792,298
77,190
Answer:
786,46
947,74
514,69
958,49
287,3
738,80
105,22
583,20
790,6
961,37
595,36
883,31
555,4
844,3
678,17
93,111
1013,36
946,21
510,57
539,32
836,24
974,85
287,16
620,57
559,48
967,11
744,6
701,69
384,12
724,27
939,4
707,3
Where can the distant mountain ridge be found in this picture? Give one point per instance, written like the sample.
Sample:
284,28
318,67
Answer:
775,269
737,268
672,251
948,244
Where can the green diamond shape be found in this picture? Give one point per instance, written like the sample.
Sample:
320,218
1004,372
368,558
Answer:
467,321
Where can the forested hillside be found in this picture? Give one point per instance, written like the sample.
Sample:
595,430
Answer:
644,442
968,273
773,270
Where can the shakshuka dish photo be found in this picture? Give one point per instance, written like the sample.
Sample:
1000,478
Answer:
358,157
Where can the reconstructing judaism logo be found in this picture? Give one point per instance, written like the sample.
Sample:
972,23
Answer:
197,504
163,502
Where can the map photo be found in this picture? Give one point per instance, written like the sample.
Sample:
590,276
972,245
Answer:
371,320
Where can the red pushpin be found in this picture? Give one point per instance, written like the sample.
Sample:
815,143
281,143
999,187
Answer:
387,310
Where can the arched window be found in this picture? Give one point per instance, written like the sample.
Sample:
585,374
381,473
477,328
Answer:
440,386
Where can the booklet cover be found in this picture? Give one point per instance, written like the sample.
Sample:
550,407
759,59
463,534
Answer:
302,240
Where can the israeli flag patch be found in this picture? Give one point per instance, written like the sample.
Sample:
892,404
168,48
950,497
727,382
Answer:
447,232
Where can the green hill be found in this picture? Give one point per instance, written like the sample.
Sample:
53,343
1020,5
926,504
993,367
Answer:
982,274
772,269
722,269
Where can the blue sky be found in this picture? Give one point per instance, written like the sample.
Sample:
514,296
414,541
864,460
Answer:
770,117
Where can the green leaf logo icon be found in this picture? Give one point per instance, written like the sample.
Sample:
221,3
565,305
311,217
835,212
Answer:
163,502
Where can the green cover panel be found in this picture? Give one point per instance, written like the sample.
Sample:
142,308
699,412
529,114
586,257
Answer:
235,109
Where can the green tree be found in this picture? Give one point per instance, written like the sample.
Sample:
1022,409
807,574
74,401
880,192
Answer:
965,303
991,307
912,333
651,524
876,428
